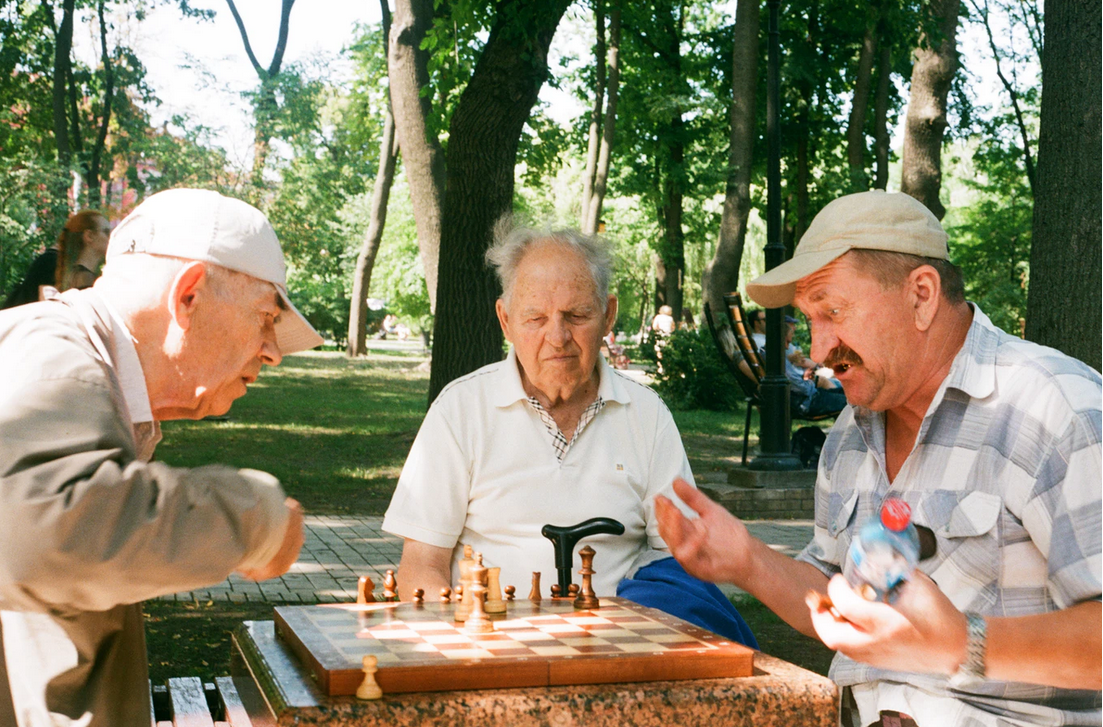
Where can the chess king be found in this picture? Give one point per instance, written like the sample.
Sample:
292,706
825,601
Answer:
552,434
191,305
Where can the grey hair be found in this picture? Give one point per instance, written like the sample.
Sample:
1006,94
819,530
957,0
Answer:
511,244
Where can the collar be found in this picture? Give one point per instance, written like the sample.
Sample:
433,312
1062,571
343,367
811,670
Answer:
127,366
508,389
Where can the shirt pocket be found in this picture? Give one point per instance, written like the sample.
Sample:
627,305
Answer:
966,565
841,508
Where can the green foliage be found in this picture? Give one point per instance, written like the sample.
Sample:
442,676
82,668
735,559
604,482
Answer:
689,373
33,208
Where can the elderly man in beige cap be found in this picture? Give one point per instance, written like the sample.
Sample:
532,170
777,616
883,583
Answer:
191,305
994,443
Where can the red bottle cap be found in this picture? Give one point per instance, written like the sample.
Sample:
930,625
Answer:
895,514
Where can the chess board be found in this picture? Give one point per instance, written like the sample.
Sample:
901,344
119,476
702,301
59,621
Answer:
420,649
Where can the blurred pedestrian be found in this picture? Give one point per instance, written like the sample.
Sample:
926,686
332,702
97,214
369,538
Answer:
74,262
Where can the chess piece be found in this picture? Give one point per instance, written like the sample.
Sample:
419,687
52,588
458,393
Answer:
390,587
365,590
419,596
534,594
587,599
510,593
462,609
478,622
572,590
445,595
555,592
494,602
369,688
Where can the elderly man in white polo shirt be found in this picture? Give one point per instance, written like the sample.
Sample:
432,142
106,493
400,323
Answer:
550,435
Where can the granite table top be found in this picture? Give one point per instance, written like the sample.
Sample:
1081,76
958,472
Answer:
277,691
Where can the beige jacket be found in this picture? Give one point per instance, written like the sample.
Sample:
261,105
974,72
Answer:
88,529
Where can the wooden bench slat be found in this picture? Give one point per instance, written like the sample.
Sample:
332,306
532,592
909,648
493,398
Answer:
233,710
189,705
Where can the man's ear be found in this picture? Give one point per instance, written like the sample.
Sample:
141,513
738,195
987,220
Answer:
503,318
925,288
189,285
611,306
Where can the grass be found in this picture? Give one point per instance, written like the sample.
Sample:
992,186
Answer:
336,433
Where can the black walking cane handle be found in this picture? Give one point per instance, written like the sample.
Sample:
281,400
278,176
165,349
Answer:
564,538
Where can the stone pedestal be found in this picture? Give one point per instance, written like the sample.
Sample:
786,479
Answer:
757,495
276,691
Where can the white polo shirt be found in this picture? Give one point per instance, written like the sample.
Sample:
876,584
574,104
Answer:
483,472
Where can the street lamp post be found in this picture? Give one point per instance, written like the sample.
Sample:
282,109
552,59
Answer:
774,390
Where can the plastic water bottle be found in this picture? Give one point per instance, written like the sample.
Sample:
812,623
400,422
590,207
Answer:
884,553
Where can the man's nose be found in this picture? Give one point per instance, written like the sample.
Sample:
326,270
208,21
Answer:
560,333
824,341
270,354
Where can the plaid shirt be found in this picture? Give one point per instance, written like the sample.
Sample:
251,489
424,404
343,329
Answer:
559,440
1006,472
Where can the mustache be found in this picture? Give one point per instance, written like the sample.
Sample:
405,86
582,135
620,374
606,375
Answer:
842,355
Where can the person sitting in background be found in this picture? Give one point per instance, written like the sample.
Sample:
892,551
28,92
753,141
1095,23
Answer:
72,263
551,435
756,319
810,394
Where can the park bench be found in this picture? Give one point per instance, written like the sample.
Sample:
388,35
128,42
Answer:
747,367
188,702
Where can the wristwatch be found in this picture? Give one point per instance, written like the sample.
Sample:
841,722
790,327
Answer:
976,639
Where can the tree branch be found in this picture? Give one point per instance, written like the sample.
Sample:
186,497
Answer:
245,39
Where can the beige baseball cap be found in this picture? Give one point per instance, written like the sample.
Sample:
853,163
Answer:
198,224
877,220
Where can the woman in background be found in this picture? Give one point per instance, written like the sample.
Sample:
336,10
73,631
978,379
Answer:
73,263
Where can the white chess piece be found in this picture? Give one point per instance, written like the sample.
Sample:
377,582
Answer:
369,689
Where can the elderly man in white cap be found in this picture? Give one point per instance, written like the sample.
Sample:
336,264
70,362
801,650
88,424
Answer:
191,305
994,442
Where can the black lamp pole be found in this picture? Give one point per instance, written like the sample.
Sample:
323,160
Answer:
774,424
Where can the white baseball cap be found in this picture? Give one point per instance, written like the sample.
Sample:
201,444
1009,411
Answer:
874,220
198,224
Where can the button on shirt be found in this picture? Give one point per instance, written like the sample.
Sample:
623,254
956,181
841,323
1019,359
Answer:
1006,472
484,471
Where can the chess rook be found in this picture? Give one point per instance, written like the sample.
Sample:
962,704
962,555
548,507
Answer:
494,602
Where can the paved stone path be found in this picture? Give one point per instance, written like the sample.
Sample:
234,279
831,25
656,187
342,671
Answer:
338,550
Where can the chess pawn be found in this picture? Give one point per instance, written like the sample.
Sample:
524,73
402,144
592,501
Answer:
419,596
369,688
511,591
365,590
587,599
555,591
390,587
572,590
534,594
463,605
446,595
494,602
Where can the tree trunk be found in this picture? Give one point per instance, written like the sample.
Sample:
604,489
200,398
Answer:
265,107
96,161
855,130
881,113
601,174
63,47
674,255
594,143
1063,307
422,157
381,195
722,272
482,155
935,65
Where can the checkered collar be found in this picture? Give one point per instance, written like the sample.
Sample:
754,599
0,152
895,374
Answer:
509,390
